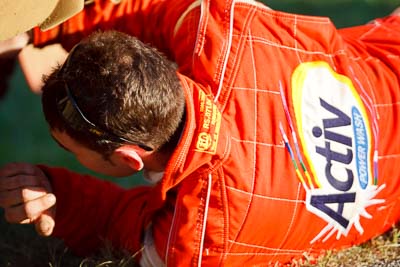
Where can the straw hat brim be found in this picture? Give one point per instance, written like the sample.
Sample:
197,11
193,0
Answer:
18,16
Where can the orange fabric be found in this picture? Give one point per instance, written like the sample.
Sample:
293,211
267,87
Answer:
288,146
90,211
142,18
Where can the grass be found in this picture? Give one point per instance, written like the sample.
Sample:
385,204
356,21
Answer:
380,251
21,247
24,137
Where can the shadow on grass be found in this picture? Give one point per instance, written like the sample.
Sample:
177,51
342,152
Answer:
20,246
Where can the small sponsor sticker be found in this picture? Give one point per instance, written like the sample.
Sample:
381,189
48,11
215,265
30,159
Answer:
209,125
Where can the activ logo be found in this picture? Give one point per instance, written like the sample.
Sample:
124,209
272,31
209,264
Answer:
337,143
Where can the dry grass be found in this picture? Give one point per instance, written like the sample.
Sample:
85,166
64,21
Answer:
21,247
382,251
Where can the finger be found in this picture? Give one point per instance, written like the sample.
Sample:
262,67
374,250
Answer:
29,211
18,196
15,168
44,225
15,182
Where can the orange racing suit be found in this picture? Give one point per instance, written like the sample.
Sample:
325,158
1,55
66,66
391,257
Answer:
289,145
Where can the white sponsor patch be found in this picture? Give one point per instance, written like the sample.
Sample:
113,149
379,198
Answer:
337,143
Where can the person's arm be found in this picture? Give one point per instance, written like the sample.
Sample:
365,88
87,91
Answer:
152,21
9,50
34,62
90,211
82,210
37,62
396,12
11,47
379,39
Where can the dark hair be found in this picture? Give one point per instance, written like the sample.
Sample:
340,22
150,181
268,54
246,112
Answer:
125,87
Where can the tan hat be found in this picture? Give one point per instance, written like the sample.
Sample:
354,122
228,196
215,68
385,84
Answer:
18,16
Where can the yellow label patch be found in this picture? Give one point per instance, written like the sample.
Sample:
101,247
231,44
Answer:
209,125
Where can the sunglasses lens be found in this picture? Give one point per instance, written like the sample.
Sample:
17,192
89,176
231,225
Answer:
67,111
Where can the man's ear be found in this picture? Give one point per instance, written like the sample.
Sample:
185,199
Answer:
130,155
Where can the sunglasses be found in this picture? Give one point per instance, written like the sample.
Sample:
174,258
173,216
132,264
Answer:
69,110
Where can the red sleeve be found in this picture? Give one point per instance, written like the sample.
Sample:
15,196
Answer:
90,211
377,45
379,39
152,21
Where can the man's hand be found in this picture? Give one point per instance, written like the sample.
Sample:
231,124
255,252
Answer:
26,196
396,12
11,47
